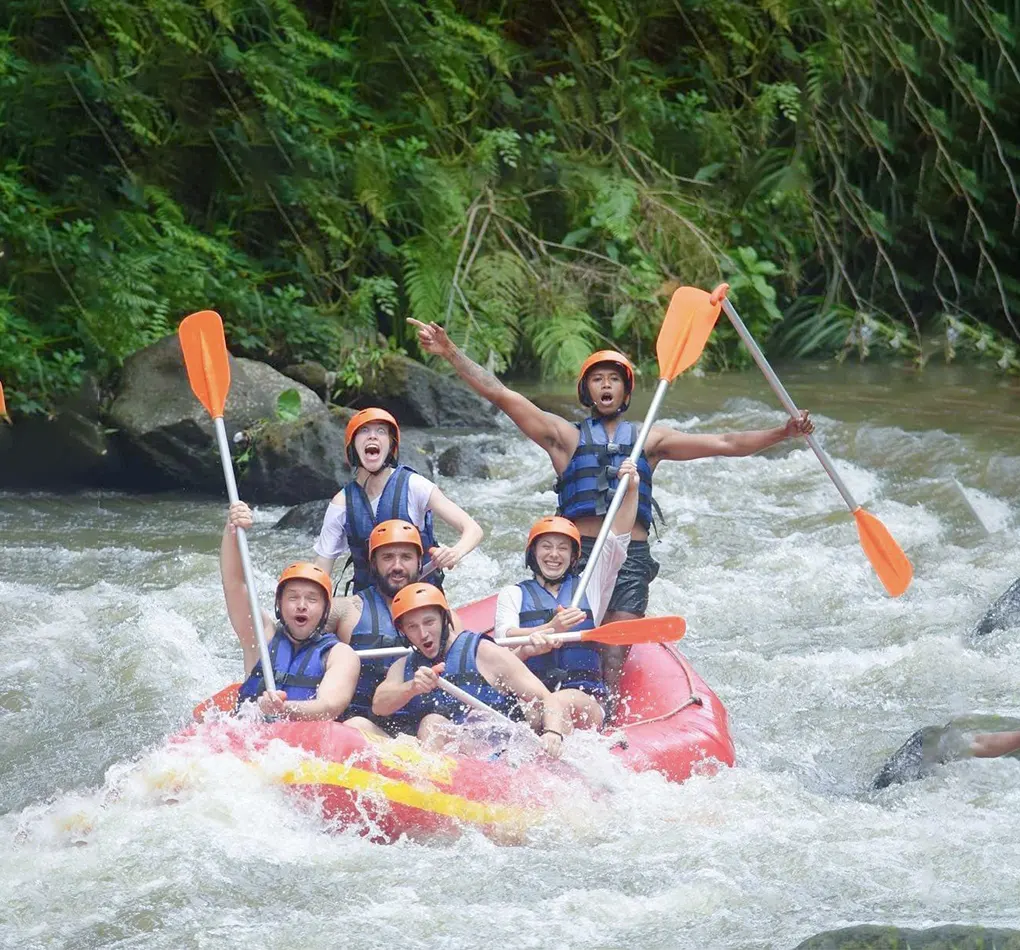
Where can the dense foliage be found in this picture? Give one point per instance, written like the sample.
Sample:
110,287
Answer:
536,174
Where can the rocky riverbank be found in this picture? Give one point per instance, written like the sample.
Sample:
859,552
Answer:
152,434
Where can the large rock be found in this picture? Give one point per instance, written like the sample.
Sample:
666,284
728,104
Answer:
313,375
932,746
67,450
419,396
306,517
947,937
474,458
290,462
1003,614
171,431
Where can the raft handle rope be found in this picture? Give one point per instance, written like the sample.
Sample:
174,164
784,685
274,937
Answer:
693,700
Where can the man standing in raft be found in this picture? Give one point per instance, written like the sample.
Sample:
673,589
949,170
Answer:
586,456
411,694
315,674
382,490
541,606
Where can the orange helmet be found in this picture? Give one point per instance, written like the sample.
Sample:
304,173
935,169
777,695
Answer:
603,356
305,571
394,532
417,595
364,417
553,524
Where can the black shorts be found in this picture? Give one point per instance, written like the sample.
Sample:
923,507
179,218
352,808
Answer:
639,570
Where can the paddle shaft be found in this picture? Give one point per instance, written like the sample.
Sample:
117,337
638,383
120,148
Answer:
621,490
242,547
380,652
784,398
468,700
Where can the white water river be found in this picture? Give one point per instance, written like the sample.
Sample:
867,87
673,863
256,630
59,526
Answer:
112,627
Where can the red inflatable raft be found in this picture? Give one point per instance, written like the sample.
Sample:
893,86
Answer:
668,721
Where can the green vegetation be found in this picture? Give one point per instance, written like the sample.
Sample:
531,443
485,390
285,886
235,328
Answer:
536,174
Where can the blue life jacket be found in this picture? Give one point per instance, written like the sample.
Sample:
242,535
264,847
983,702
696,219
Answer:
573,665
587,484
374,630
392,505
461,670
298,668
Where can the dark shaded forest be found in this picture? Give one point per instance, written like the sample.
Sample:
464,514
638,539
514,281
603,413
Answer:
538,175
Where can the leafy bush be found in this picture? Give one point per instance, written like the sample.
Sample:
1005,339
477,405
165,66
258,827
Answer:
536,176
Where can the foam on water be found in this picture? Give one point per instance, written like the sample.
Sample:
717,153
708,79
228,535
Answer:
112,627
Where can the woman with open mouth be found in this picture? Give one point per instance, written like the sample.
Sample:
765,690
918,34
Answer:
384,490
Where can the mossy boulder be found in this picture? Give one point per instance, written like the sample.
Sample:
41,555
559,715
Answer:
419,396
948,937
170,432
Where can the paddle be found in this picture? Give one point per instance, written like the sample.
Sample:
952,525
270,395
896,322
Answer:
468,700
886,556
3,406
619,633
689,320
205,356
225,701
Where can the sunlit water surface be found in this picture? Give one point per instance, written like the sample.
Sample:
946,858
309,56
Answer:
112,627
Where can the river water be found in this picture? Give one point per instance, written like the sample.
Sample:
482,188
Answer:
112,625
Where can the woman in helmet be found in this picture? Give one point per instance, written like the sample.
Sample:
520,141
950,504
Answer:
540,607
383,490
586,457
410,693
315,673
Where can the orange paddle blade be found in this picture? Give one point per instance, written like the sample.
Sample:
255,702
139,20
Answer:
646,630
3,405
205,356
685,330
886,556
225,701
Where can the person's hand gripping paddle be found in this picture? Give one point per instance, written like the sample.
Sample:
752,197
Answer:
205,356
887,558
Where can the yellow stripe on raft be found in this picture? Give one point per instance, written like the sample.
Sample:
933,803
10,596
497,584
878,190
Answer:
314,772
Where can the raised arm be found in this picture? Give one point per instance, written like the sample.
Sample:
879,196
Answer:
235,592
553,433
669,445
457,518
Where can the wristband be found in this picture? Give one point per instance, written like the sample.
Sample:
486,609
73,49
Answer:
553,731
